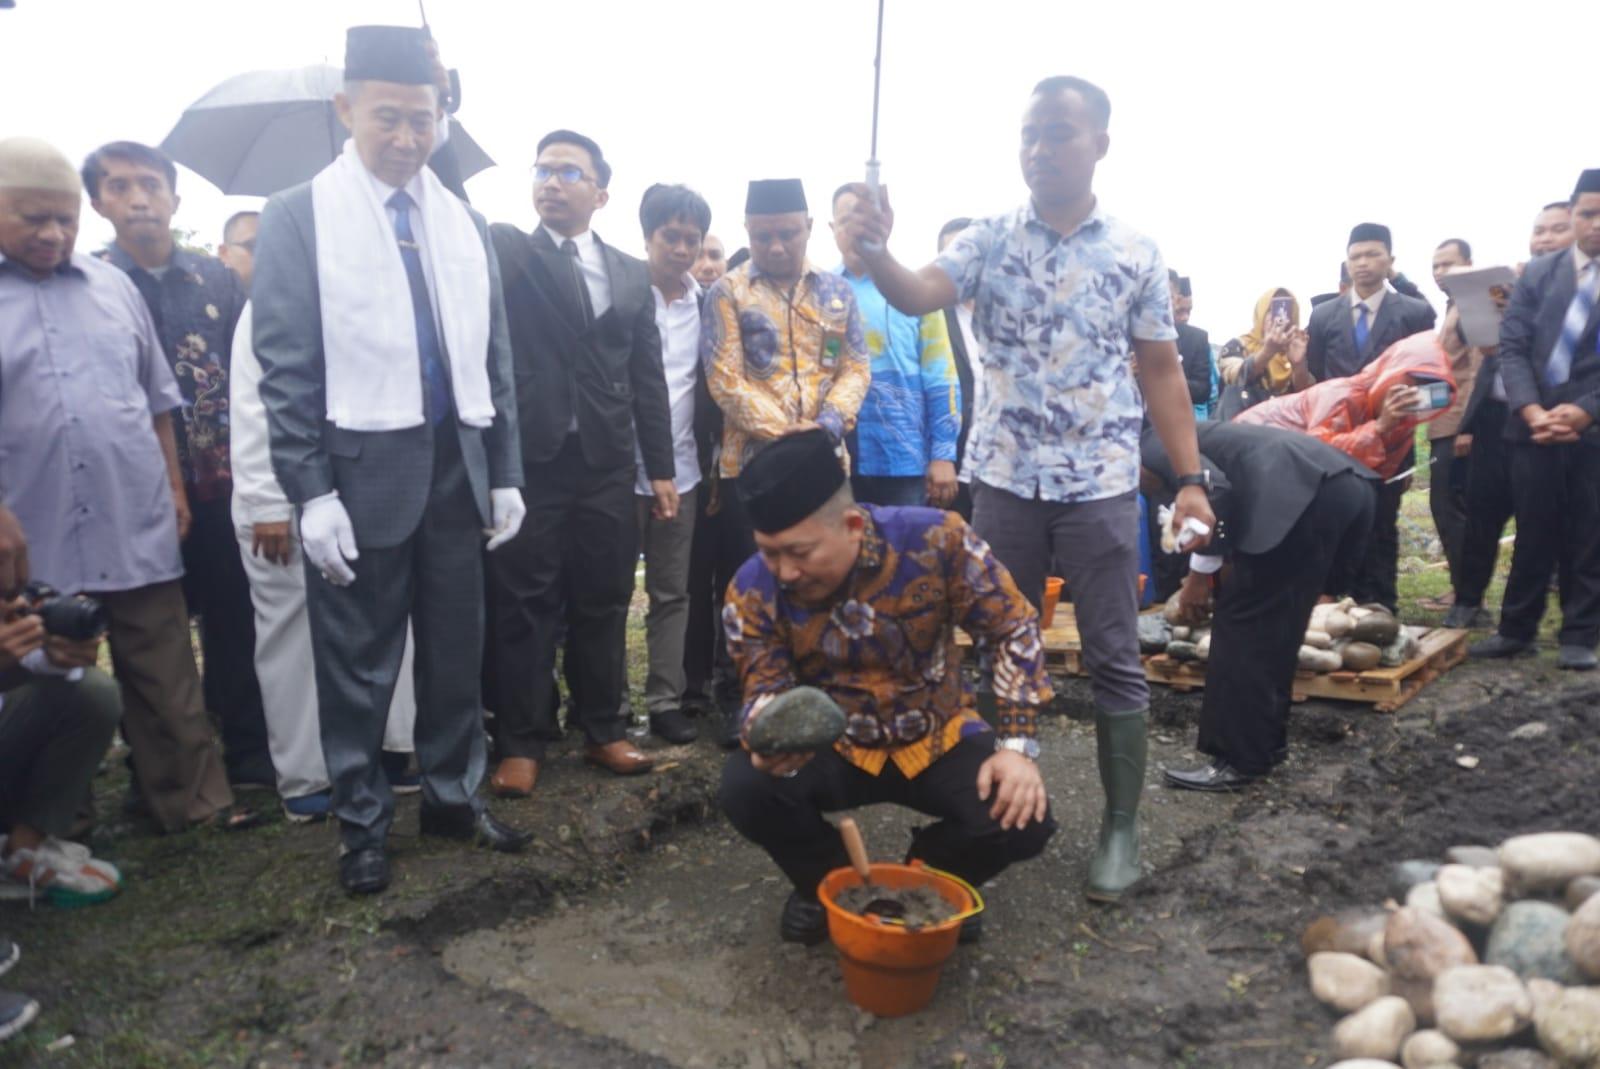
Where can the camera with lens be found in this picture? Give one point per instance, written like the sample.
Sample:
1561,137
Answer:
76,618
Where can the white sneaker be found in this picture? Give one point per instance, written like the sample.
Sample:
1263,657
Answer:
65,873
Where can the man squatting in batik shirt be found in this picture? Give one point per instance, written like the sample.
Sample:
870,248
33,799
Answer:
862,602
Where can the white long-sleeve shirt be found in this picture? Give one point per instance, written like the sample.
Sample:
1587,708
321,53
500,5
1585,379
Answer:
257,497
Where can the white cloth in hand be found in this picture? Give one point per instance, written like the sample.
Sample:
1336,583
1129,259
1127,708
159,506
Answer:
328,538
506,506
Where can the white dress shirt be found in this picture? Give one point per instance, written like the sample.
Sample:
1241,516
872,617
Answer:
679,323
415,189
593,263
257,497
1373,303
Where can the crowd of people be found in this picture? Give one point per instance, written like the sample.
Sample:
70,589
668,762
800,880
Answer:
401,466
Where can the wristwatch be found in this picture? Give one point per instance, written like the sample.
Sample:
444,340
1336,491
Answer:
1202,479
1021,744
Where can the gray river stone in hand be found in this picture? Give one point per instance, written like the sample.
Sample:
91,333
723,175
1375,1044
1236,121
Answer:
797,721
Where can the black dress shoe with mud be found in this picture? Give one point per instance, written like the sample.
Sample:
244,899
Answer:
1216,777
1498,646
971,929
1468,618
804,921
364,872
1577,659
674,726
480,829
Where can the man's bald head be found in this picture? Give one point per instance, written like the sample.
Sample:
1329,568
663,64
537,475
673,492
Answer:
40,197
28,163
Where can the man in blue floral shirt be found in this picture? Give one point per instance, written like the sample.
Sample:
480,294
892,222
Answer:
195,301
1073,309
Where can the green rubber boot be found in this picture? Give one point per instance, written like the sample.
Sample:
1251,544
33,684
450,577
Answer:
1120,746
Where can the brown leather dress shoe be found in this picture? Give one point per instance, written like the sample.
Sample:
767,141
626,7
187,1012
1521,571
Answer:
620,757
514,777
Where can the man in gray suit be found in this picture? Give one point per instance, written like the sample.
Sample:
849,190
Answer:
387,383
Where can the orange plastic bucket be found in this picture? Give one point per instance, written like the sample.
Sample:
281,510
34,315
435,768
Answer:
1052,595
890,970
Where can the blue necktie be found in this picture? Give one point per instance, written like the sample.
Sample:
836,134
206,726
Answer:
1559,368
435,382
1363,328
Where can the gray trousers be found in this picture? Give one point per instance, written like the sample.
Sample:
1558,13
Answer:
287,671
53,733
1095,546
666,546
436,578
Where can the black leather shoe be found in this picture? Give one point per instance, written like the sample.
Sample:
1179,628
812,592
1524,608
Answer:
971,929
803,921
1216,776
1498,646
674,727
364,872
1577,659
728,734
1468,617
480,829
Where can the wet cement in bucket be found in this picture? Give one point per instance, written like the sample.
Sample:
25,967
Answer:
916,907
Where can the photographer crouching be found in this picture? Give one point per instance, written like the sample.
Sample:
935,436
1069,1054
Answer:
57,715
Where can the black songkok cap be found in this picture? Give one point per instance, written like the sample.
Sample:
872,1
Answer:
1371,232
387,54
1588,182
1185,288
789,480
775,196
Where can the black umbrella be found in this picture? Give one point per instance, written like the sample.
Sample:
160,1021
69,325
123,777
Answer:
264,131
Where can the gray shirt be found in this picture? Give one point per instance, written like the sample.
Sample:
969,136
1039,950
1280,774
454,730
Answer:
81,377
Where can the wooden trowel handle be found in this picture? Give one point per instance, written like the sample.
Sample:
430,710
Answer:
856,848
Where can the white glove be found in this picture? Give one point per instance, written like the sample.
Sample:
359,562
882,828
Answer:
328,538
506,506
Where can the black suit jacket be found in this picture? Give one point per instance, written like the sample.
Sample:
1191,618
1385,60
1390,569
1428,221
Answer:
1331,342
958,346
1262,479
1528,334
608,373
1194,348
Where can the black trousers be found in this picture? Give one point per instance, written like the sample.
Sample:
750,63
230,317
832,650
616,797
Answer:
435,579
722,543
1261,616
1489,503
1447,499
784,816
1557,494
218,592
1377,577
53,733
571,564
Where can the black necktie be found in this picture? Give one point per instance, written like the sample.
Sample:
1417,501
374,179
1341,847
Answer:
570,247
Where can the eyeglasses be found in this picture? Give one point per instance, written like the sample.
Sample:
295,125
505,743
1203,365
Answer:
569,175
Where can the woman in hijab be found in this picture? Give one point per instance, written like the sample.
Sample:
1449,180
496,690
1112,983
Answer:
1268,360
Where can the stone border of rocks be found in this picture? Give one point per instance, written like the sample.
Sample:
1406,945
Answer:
1491,962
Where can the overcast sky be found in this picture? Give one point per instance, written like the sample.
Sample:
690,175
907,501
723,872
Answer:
1246,138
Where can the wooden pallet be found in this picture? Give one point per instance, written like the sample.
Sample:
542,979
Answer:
1386,689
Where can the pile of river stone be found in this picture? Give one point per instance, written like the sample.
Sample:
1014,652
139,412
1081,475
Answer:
1492,962
1340,636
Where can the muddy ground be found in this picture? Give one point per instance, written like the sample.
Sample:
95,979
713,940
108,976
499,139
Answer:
640,931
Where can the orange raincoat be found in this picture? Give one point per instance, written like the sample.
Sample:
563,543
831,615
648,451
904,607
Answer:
1344,412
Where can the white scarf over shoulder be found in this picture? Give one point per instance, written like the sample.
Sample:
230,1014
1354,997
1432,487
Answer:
369,333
